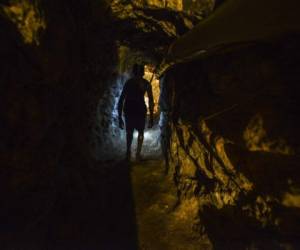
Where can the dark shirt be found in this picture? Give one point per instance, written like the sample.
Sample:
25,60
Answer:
132,96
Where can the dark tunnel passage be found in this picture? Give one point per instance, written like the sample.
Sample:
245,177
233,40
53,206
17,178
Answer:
220,167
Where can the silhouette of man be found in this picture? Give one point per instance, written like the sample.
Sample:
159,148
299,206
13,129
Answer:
132,102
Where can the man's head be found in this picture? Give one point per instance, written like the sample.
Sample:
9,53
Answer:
138,70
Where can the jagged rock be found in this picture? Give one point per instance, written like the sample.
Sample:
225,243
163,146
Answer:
55,65
234,138
151,26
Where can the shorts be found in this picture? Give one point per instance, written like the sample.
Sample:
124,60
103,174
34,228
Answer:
135,121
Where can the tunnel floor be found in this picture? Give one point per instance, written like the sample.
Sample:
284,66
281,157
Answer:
158,224
116,205
132,207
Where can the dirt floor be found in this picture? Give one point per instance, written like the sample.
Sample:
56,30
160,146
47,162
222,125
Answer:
123,206
158,223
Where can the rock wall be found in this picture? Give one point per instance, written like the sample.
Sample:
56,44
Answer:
109,141
56,60
231,141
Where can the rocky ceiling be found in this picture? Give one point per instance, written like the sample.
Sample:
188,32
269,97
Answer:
145,25
151,25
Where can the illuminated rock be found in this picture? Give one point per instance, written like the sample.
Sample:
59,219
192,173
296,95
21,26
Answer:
152,25
234,135
28,19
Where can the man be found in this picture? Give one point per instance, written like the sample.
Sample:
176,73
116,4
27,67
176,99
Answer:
132,102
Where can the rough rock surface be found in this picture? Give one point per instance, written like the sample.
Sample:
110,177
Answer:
150,26
55,65
233,144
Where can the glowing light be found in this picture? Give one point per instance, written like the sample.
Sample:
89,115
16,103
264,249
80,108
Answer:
256,138
155,87
291,200
148,135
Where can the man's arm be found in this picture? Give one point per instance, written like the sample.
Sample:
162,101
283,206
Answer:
120,106
151,103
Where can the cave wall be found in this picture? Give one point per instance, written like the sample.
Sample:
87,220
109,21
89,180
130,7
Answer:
56,60
233,143
108,140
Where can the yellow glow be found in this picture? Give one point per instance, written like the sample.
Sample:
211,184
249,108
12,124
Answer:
155,87
291,200
256,138
188,209
26,17
212,168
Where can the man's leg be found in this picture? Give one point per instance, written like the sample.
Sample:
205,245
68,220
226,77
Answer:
140,140
140,128
129,136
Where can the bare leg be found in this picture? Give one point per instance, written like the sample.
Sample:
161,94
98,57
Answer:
139,144
129,136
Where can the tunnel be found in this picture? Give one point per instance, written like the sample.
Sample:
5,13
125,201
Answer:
220,165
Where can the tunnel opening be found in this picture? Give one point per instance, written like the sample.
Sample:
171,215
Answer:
109,139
